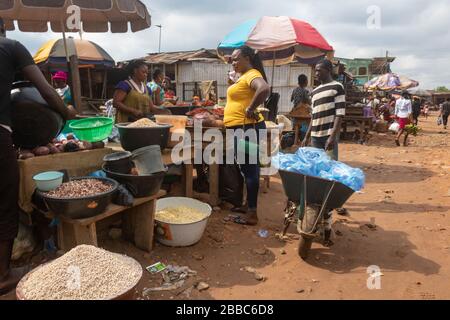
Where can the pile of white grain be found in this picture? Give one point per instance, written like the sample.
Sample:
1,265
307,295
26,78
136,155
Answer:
84,273
143,123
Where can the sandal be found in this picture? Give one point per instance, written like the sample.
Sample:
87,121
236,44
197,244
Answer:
244,221
397,142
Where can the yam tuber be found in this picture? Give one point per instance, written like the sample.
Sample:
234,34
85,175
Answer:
41,151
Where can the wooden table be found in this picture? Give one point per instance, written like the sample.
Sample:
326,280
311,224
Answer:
138,227
364,123
214,167
188,169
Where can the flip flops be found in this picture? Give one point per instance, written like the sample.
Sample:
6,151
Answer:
242,220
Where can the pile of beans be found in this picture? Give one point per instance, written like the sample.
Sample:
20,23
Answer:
80,189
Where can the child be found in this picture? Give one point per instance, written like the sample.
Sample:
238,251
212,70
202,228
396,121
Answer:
426,111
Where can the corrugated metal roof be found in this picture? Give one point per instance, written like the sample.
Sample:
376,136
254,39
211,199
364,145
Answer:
174,57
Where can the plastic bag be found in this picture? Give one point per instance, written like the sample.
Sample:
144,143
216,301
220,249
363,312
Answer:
124,197
439,121
395,127
316,163
231,184
24,243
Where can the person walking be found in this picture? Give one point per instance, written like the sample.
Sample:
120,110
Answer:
445,112
416,109
403,112
328,110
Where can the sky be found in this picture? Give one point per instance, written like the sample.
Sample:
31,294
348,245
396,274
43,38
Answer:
417,32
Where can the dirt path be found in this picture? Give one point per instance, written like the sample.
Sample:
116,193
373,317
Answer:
407,197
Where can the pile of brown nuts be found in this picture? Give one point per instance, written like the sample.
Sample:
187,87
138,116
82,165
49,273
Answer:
80,189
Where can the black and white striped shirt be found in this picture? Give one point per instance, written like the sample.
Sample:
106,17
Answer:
328,101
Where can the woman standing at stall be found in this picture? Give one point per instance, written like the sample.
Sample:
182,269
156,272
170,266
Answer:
243,97
132,98
157,87
61,86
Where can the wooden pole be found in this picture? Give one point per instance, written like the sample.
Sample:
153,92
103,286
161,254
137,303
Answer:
105,84
273,71
89,82
76,83
65,41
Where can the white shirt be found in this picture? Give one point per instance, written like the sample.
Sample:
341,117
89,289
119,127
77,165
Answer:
403,108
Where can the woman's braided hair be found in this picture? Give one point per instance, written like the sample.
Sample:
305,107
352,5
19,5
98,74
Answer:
255,59
133,65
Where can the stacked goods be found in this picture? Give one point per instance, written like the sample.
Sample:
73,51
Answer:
70,144
206,117
84,273
180,215
143,123
80,189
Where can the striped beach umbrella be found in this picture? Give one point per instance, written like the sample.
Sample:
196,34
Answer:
52,54
96,16
279,40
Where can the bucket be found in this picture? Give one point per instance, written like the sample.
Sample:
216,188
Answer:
148,160
119,162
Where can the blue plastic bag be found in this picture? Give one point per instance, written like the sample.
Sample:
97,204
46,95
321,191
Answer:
316,163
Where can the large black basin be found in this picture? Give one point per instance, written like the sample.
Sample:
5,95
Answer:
81,208
136,138
139,186
34,123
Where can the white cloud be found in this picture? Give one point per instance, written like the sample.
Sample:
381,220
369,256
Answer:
415,31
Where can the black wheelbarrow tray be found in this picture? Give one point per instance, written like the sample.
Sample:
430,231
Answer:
321,192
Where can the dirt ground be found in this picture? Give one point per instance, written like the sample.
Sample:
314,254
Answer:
407,198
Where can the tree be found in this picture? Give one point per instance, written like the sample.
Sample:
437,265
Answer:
442,89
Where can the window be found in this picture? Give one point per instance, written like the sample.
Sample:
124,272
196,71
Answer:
362,71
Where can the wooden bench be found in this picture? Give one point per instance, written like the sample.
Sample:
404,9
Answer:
138,225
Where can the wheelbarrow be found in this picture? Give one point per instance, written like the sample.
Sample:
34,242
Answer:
309,199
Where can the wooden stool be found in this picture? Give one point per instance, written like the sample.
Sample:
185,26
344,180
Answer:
139,223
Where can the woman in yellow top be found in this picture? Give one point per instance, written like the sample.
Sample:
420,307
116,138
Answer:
132,97
243,97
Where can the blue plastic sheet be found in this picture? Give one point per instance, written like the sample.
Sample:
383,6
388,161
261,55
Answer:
316,163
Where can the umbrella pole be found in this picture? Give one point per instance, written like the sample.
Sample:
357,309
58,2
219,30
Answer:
65,42
273,72
73,71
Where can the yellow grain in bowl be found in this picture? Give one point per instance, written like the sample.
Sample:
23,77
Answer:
180,215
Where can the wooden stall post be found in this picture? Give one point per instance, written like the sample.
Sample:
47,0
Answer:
90,82
76,83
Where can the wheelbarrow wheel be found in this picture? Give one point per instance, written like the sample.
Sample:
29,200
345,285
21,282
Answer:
306,226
